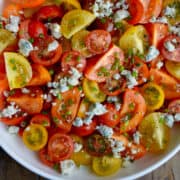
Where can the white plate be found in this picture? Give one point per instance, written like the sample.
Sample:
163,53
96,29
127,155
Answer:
14,147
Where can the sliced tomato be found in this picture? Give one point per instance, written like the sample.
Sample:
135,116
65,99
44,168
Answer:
60,147
157,32
98,41
167,82
11,9
37,29
112,117
85,130
2,64
12,121
171,55
132,111
31,102
44,157
41,75
136,9
42,55
101,68
65,110
24,29
41,119
49,12
174,106
155,61
27,3
73,59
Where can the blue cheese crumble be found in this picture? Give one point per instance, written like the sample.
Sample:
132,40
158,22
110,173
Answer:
13,25
105,131
152,53
25,47
67,166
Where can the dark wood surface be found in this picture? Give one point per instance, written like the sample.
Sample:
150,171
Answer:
10,170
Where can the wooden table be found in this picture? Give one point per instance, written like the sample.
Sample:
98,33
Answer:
10,170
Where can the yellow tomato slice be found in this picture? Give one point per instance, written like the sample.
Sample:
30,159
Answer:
173,68
69,3
92,91
35,137
153,95
155,134
74,21
105,166
135,38
83,108
6,38
18,69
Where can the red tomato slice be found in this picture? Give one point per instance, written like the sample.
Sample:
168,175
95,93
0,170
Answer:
60,147
24,29
171,55
2,64
44,157
41,119
27,3
37,29
12,121
134,108
73,59
157,32
100,68
40,76
112,117
85,130
136,9
42,56
167,82
174,106
65,110
98,41
49,12
32,102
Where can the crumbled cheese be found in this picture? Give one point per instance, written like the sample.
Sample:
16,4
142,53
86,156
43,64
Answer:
177,117
25,91
117,76
67,166
159,65
159,20
13,129
169,120
55,29
112,99
25,47
63,83
170,11
175,30
105,131
121,5
117,106
126,162
98,109
75,76
13,25
144,79
152,53
53,46
78,122
169,46
77,147
134,151
120,15
136,137
6,93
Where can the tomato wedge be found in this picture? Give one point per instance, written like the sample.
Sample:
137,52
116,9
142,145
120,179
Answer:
60,147
65,110
101,68
44,157
12,121
27,3
24,29
31,102
41,119
132,111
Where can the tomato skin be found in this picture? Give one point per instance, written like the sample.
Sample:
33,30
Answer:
174,55
98,41
85,130
44,157
106,61
72,59
27,3
36,29
12,121
174,106
41,119
141,151
138,110
63,122
23,29
60,147
49,12
45,58
11,9
112,117
157,32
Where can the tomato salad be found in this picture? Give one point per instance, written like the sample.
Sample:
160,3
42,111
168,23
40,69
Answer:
90,82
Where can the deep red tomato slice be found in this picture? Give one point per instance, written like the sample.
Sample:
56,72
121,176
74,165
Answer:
24,29
42,56
171,55
60,147
41,119
37,29
12,121
73,59
98,41
112,117
49,12
174,106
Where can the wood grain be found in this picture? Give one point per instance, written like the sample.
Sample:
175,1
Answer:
10,170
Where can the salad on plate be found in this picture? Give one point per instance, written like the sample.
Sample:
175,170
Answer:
91,83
